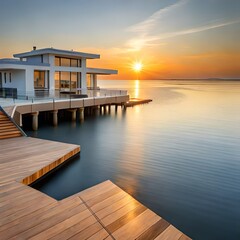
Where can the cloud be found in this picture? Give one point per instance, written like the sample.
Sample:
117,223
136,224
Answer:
151,21
195,30
144,28
136,44
160,26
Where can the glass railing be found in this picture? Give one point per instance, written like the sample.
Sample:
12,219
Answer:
51,96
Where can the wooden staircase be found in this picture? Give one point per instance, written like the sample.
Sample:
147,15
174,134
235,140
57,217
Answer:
7,128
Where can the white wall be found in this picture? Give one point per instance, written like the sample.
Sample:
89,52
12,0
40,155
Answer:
94,81
34,59
30,81
46,58
84,75
38,59
17,80
52,73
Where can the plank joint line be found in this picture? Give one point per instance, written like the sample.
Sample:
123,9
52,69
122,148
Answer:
97,218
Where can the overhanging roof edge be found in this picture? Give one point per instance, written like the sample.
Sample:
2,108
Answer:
57,52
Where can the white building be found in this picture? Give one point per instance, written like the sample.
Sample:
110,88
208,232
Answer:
49,69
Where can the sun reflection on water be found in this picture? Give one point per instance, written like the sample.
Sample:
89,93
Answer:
136,89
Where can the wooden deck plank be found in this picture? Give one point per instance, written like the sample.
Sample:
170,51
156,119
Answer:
103,196
10,186
50,222
96,190
184,237
67,223
126,218
28,217
102,234
103,211
23,217
137,226
112,208
11,194
171,233
105,203
20,206
88,232
75,229
155,230
7,197
7,220
115,215
108,238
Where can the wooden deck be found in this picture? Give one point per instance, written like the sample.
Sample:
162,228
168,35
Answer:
101,212
136,101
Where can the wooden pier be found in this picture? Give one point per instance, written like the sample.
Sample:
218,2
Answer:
77,106
102,212
136,101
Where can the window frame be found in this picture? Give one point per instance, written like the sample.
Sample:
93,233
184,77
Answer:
60,62
5,77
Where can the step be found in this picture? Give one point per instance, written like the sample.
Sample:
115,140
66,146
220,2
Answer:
10,136
8,129
3,117
10,133
7,126
6,122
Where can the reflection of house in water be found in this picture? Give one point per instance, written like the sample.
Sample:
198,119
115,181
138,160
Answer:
49,69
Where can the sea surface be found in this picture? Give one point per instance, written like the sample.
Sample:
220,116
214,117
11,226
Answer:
179,155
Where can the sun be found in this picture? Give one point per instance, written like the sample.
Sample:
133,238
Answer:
137,66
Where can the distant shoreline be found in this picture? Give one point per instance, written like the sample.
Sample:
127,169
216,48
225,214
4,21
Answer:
177,79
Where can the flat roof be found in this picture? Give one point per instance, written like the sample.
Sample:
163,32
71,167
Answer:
102,71
13,63
57,52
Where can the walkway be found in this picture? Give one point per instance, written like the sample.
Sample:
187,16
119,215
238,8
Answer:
102,212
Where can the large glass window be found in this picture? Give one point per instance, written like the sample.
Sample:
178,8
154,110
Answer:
74,78
57,61
57,80
68,62
65,76
74,63
88,80
66,81
39,79
0,79
65,62
79,80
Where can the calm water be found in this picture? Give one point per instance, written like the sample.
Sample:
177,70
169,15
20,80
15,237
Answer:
179,155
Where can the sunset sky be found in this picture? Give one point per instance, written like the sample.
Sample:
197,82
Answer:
172,38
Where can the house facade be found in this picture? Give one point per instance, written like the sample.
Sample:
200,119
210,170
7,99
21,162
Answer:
51,70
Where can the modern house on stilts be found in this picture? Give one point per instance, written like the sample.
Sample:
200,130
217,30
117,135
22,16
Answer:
48,80
50,69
